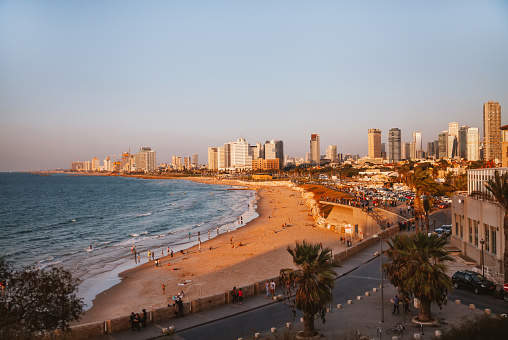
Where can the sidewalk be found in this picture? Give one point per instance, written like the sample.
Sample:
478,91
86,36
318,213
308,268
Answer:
251,302
363,315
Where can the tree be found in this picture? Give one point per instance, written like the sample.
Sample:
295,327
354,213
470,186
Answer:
422,183
416,266
498,187
35,301
314,278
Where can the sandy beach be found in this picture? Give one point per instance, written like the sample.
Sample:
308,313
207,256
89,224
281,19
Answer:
259,252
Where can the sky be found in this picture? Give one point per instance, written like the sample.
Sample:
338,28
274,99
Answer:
92,78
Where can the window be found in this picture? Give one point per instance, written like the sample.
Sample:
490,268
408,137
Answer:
487,236
470,231
493,234
457,217
476,233
461,228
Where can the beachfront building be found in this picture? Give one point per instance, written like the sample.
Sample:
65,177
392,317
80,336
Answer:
476,218
315,150
128,162
108,164
145,160
492,130
195,159
274,149
374,143
265,164
213,159
234,156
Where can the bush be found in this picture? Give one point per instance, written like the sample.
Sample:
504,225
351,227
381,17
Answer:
483,327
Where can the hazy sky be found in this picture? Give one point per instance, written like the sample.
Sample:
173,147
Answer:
87,78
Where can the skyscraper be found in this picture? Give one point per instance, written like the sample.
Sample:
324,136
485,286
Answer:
492,130
315,151
462,142
274,149
443,144
394,146
331,153
145,160
195,159
453,130
417,139
473,144
374,143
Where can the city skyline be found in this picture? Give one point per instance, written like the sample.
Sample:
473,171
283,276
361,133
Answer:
91,79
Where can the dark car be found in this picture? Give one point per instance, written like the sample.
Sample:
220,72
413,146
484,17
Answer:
473,281
443,205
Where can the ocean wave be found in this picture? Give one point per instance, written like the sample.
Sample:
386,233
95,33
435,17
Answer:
143,215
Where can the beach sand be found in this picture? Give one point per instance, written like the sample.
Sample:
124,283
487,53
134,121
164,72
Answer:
262,254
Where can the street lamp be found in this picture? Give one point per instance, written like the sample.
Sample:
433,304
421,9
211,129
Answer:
381,270
482,241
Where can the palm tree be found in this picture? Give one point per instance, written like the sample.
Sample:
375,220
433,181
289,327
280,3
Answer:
314,278
498,187
416,266
422,183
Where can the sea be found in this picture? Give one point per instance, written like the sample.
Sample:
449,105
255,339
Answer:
89,224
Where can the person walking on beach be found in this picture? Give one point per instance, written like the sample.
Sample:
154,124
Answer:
171,252
149,255
396,304
240,295
139,258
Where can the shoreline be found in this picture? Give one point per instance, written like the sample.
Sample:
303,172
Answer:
98,283
262,254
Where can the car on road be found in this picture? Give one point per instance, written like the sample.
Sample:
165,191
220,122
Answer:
474,281
445,229
443,205
440,232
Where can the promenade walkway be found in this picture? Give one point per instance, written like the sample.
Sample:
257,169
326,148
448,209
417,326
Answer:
363,315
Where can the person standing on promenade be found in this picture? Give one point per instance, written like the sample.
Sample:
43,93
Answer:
180,307
406,305
240,295
267,286
272,288
143,319
176,307
396,304
234,294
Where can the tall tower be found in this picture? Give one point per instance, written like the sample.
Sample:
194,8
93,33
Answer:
331,153
492,130
453,138
315,155
473,144
462,142
394,146
374,143
417,139
274,149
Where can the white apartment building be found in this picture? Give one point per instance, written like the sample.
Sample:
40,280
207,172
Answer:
476,219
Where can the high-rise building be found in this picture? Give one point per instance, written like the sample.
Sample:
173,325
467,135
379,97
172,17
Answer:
404,154
462,142
394,145
315,151
213,159
417,139
108,164
274,149
195,159
504,146
443,144
145,160
452,146
257,151
412,151
473,144
331,153
234,156
436,149
492,130
430,149
374,143
95,164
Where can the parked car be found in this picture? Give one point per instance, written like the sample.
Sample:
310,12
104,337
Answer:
473,281
443,205
440,232
447,229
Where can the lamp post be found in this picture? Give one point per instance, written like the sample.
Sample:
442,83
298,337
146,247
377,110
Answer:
445,217
482,241
381,270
